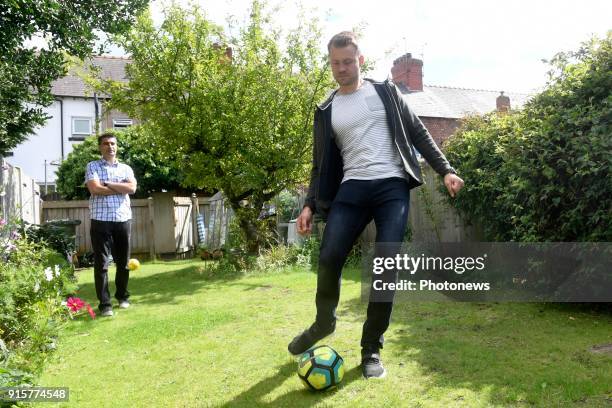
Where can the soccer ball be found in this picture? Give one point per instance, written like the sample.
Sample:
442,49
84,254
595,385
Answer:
320,368
133,264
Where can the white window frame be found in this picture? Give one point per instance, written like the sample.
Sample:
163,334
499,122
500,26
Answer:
122,123
75,118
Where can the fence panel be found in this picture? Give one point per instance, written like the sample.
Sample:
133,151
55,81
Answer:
19,194
183,224
79,210
431,218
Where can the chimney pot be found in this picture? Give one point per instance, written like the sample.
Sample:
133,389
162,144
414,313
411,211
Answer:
503,103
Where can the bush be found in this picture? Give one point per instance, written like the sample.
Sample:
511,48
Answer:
543,174
34,280
287,206
54,234
152,169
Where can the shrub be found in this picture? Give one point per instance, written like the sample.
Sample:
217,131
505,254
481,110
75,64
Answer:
54,234
33,282
152,169
543,174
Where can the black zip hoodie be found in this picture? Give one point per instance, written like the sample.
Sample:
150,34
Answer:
408,134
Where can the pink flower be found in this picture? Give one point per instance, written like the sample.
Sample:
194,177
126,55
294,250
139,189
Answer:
90,311
75,304
2,222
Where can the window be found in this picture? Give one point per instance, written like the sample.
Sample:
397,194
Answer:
81,127
122,123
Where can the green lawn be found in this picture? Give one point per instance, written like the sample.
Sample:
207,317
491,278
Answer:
194,339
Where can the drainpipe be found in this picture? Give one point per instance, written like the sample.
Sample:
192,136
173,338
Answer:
97,113
61,103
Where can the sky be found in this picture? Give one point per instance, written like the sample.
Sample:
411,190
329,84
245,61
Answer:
476,44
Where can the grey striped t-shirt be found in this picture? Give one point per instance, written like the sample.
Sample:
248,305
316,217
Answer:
362,134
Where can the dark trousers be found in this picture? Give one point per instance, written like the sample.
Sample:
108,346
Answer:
110,238
356,204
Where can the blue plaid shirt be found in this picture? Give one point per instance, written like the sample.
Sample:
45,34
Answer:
114,207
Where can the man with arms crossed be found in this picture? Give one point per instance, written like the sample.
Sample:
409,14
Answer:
110,184
364,165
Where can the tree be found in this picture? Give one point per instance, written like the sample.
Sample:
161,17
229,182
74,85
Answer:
153,171
238,118
543,173
26,73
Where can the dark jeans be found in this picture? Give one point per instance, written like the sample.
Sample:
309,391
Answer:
108,237
356,204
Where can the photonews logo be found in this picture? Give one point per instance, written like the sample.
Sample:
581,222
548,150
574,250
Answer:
412,265
488,271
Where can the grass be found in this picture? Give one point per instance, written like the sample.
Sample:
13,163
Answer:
195,339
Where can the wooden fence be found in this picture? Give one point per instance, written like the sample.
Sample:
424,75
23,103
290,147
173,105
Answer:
217,218
431,218
79,210
19,194
162,225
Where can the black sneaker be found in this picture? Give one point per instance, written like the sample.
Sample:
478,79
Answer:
371,365
107,312
308,338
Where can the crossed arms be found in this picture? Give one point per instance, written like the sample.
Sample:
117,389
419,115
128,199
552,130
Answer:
126,187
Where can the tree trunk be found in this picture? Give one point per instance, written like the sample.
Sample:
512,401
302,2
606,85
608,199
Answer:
249,225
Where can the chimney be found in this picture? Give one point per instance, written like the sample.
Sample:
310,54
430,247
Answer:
503,103
408,71
228,55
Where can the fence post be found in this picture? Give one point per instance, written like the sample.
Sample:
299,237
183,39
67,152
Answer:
3,186
195,210
20,193
151,228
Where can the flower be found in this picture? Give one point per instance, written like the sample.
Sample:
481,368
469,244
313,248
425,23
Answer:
57,270
48,274
15,235
75,304
2,222
9,247
90,311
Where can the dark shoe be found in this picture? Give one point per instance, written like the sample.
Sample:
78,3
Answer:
371,365
308,338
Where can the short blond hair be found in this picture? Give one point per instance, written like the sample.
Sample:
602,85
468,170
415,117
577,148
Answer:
343,39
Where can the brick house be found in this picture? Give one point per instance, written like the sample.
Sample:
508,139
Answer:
440,107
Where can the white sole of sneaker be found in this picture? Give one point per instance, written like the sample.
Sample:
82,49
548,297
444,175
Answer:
380,377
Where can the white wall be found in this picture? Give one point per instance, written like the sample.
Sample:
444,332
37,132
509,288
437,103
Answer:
46,144
79,107
43,145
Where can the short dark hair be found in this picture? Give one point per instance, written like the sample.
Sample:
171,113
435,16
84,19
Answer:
343,39
106,135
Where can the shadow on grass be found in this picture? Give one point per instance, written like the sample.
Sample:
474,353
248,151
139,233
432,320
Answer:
513,354
165,287
296,398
